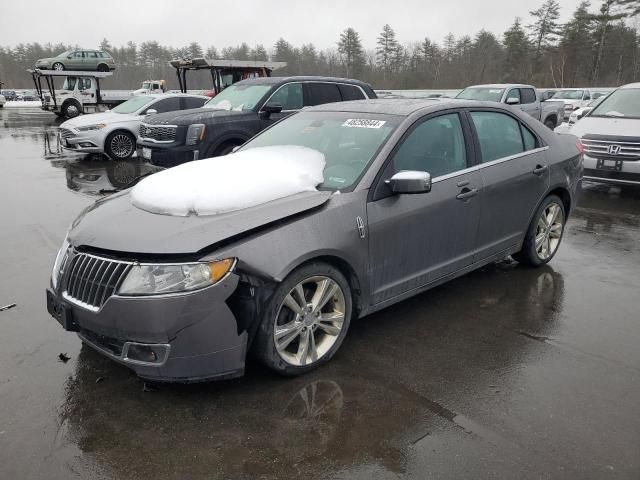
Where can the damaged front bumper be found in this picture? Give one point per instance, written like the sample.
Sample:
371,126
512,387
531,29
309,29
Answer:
182,337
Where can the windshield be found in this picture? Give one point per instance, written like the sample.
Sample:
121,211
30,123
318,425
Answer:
569,94
484,93
624,102
132,105
147,85
596,102
64,54
238,97
348,141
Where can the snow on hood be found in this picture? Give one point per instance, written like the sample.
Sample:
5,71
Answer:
223,184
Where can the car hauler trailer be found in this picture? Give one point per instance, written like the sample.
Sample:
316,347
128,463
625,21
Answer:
223,72
80,92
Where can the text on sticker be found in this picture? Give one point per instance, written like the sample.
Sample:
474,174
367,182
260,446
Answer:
363,123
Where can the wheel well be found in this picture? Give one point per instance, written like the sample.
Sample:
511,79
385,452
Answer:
227,143
123,130
551,117
564,196
350,274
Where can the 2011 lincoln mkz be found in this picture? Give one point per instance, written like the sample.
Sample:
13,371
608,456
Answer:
414,193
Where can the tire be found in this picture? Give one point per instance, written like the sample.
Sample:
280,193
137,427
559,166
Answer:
550,124
57,66
120,145
71,109
286,353
225,149
103,68
549,237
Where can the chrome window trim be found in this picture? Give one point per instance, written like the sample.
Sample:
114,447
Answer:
488,164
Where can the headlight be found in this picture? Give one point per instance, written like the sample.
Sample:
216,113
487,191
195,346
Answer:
167,278
62,254
88,128
195,133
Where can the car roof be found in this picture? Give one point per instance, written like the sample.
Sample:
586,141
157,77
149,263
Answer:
500,85
400,107
294,78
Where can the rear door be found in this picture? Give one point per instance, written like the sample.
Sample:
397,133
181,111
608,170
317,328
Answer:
417,239
515,176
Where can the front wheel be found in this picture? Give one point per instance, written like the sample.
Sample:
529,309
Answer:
71,109
550,124
57,66
306,320
544,234
120,145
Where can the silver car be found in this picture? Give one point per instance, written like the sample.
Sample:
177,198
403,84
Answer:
415,193
114,132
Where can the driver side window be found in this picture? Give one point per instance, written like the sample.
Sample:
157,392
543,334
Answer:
514,93
436,146
289,96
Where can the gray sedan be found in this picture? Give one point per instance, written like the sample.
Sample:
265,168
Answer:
415,193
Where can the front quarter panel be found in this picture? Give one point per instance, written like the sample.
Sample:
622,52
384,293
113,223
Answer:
330,231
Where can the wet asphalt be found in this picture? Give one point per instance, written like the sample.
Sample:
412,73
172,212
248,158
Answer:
508,372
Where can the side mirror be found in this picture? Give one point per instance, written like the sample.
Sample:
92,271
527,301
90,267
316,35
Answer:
410,181
512,101
268,109
69,57
151,111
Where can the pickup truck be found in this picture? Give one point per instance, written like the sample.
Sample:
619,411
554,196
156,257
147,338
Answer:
236,114
525,97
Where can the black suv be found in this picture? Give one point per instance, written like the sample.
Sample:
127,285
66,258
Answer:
236,114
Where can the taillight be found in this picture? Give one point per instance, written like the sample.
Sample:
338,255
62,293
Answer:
580,147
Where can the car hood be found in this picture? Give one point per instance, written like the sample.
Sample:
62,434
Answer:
194,115
114,224
93,118
610,126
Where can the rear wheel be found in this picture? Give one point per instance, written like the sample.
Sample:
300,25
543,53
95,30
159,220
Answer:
120,145
103,68
544,234
550,124
57,66
306,320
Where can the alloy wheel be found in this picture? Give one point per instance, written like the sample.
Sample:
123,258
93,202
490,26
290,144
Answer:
121,145
549,231
59,67
309,320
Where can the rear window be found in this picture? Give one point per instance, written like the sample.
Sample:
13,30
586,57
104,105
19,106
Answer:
501,135
351,92
320,93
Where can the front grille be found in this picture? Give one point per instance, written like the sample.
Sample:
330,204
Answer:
66,133
158,133
611,149
92,280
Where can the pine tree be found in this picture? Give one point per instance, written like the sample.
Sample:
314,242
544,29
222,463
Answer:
517,48
350,48
105,45
544,30
386,48
603,22
194,50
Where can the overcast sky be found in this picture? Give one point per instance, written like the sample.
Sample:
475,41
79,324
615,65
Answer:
177,23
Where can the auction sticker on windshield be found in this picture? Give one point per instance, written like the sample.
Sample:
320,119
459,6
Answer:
363,123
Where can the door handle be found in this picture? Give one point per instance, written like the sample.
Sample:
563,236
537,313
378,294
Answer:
467,193
540,169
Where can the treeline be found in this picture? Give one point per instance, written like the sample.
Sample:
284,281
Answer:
598,46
